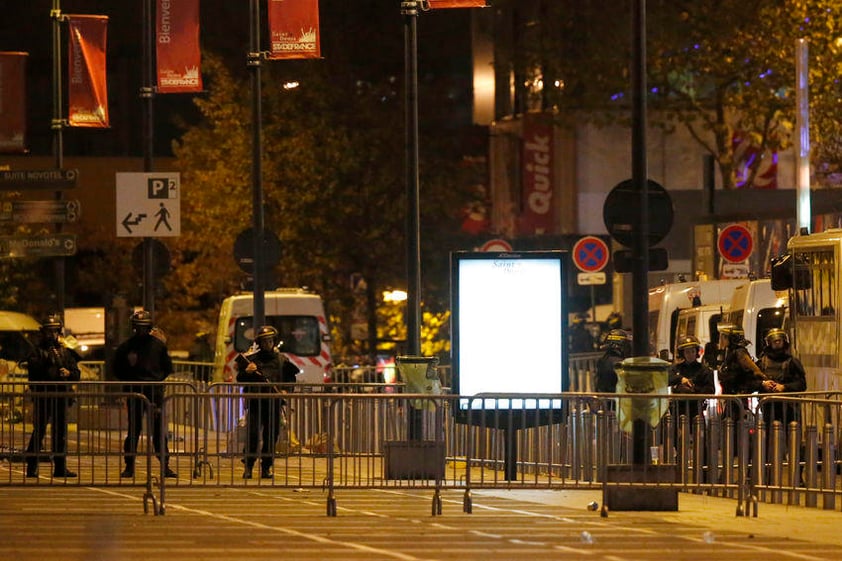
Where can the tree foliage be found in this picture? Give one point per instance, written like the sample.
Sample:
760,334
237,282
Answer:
333,187
723,69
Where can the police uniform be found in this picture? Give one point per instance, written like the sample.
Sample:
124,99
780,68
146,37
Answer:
50,361
264,414
144,357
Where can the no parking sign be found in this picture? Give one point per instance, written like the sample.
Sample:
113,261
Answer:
735,243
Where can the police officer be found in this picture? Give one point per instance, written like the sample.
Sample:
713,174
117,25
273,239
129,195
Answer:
784,373
50,361
581,340
143,357
262,369
738,373
689,376
616,346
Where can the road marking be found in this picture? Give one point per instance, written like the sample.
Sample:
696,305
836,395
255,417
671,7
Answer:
285,531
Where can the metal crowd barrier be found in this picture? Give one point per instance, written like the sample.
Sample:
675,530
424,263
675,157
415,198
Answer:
358,436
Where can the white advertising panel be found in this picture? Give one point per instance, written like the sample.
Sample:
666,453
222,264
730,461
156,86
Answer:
509,332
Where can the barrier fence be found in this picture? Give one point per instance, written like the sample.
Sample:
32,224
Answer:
773,449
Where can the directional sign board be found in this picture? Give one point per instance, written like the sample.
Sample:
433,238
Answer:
590,254
148,205
40,212
23,180
53,245
735,243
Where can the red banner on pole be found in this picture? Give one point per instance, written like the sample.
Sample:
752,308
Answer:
13,102
294,29
177,46
538,215
439,4
87,89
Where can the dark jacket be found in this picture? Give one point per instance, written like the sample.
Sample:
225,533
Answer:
272,368
606,376
699,375
142,358
738,373
45,362
785,369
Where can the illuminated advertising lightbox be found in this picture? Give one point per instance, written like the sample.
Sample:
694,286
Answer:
509,331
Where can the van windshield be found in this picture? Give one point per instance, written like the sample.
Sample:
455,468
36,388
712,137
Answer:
299,335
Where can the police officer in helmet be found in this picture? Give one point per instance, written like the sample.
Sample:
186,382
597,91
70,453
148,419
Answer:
785,373
262,370
617,346
689,376
144,358
50,361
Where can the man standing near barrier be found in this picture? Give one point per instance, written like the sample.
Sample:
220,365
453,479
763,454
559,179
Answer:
51,361
785,374
262,370
144,358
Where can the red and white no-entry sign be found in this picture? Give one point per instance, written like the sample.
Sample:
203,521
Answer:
590,254
496,245
735,243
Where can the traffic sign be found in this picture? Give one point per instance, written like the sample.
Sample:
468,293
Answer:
35,212
584,279
21,180
735,243
590,254
244,250
148,204
496,245
53,245
621,212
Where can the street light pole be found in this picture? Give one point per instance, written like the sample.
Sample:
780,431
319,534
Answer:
409,9
58,140
254,66
147,96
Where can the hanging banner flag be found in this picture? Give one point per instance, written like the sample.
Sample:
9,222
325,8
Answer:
177,46
538,215
294,29
13,102
87,90
439,4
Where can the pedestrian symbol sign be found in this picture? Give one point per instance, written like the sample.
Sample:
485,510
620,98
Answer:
148,205
735,243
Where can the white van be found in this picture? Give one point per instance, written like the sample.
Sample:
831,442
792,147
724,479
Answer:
701,322
757,308
300,319
19,333
667,300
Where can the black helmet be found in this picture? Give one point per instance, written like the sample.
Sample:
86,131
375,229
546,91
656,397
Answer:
52,322
614,320
775,334
689,342
266,332
734,334
141,318
618,339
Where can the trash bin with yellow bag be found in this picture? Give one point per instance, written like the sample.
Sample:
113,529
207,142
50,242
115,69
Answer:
642,375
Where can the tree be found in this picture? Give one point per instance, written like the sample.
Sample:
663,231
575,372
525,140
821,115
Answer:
333,186
724,70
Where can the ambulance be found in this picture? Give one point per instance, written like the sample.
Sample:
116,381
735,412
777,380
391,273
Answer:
299,317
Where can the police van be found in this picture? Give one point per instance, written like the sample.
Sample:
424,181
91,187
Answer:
757,308
667,300
299,317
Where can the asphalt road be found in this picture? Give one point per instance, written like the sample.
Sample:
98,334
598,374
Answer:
93,524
